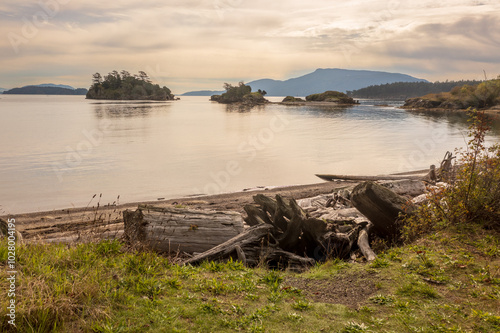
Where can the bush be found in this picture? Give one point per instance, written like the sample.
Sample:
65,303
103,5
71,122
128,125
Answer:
331,96
474,196
289,99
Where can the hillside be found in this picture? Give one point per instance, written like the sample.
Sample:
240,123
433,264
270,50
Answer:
323,80
483,95
404,90
203,93
45,90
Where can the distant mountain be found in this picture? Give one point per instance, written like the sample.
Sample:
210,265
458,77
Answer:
54,85
2,90
329,79
321,80
45,90
203,93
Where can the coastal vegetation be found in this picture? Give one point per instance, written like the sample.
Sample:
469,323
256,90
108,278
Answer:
331,96
405,90
240,94
124,86
291,99
483,95
41,90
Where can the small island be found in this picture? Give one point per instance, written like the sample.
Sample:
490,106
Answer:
328,97
124,86
485,95
240,94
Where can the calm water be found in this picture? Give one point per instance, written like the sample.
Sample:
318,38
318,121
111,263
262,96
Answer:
58,151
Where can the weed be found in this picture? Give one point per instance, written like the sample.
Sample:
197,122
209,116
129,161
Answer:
381,299
301,305
273,279
379,263
293,316
353,327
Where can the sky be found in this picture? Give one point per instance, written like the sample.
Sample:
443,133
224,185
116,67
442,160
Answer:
200,44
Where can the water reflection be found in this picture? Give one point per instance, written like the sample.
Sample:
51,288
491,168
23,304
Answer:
239,108
323,111
128,110
456,119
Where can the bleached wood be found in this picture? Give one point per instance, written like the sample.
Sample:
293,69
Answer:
169,229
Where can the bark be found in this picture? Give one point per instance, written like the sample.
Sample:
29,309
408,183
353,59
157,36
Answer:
381,206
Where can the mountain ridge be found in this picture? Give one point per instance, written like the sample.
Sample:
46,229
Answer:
44,90
323,79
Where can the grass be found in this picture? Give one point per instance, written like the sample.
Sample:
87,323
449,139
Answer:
448,281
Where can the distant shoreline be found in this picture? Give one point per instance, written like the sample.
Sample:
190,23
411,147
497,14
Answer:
495,110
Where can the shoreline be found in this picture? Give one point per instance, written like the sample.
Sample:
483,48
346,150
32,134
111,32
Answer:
72,224
495,110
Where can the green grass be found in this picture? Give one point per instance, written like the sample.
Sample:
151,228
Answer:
446,282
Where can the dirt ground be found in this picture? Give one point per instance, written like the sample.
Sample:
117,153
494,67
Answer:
349,288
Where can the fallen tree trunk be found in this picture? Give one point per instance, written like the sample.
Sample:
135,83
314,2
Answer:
176,229
381,206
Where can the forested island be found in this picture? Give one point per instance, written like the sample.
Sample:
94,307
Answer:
41,90
241,94
124,86
329,96
481,96
405,90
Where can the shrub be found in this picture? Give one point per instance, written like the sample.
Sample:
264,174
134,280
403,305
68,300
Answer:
331,96
474,196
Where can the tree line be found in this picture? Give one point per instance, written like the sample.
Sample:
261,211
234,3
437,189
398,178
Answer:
126,86
405,90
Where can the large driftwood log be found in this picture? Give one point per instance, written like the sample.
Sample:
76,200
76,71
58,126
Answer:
172,229
381,206
284,235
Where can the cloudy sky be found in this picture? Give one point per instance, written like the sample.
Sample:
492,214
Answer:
200,44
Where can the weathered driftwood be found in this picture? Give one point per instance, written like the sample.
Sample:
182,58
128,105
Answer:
367,178
284,235
405,187
381,206
172,229
364,244
253,246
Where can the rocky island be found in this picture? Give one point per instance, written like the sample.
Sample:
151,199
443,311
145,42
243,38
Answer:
241,94
327,97
124,86
485,95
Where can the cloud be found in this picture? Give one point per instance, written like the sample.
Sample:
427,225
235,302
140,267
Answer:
194,43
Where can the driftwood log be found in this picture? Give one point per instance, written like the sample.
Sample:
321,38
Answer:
177,229
381,206
283,235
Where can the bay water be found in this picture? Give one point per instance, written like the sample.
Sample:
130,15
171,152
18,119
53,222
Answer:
58,151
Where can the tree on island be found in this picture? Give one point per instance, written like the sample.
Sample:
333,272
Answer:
240,94
124,86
